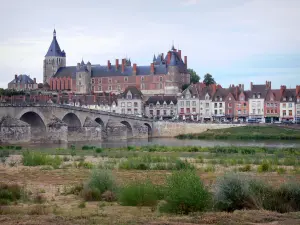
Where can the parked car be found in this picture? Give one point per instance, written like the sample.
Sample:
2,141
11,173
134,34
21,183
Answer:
277,122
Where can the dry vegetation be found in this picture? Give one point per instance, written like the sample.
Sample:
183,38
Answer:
51,192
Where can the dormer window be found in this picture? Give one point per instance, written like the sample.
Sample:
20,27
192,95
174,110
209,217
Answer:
229,98
290,98
206,97
258,96
272,99
221,99
242,98
284,99
194,96
253,95
129,96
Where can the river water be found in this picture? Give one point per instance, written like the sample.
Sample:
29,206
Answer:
174,142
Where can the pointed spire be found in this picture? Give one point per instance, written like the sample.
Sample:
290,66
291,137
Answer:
173,48
54,49
154,58
173,59
54,33
82,62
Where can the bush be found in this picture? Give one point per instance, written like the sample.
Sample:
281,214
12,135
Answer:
99,150
138,194
87,147
236,192
99,182
183,165
245,168
9,193
264,167
185,193
40,159
18,148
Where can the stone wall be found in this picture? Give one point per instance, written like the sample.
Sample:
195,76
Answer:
170,129
140,131
57,131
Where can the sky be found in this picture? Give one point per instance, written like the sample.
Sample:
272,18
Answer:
237,41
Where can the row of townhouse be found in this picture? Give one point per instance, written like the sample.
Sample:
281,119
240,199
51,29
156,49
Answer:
260,103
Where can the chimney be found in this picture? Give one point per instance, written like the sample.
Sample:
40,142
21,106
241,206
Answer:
179,53
297,89
185,61
236,92
270,85
78,66
251,86
243,87
240,86
152,68
282,88
134,69
16,77
108,64
123,65
34,80
214,88
117,64
169,58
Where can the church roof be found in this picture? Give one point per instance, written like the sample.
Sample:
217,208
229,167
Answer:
54,49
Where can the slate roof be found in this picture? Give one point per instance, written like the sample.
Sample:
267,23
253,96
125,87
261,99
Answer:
136,93
194,90
54,49
289,93
103,71
22,79
276,93
220,93
260,89
161,99
179,62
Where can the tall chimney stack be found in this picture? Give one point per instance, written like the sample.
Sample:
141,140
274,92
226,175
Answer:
117,64
16,77
34,80
108,64
282,88
251,86
169,58
152,68
185,61
134,69
297,89
123,65
179,53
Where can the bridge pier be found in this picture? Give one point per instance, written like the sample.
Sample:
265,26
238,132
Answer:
57,131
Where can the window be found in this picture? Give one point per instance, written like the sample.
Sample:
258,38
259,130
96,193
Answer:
242,98
142,86
253,95
207,105
207,97
188,110
181,110
100,81
290,105
245,104
194,103
160,86
80,75
157,112
216,105
125,79
283,105
229,111
221,99
187,103
258,96
129,96
135,111
284,99
142,78
221,111
253,111
172,112
165,112
275,111
245,111
229,98
298,100
93,81
290,112
291,99
109,88
268,104
129,104
284,112
216,111
229,105
181,103
258,111
123,111
151,105
268,111
129,111
194,110
160,79
109,80
220,105
272,111
239,105
151,112
123,104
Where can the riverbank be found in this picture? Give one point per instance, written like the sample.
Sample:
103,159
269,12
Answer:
56,180
246,133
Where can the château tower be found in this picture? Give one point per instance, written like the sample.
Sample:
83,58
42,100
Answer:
54,59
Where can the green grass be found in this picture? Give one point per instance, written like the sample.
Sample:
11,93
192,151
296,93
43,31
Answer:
9,193
40,159
247,133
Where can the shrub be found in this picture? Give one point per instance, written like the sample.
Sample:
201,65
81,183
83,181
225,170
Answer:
18,148
99,182
281,170
108,196
183,165
236,192
185,193
264,167
138,194
245,168
39,159
9,193
99,150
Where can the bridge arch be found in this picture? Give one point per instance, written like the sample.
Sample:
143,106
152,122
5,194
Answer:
36,121
73,121
100,121
129,129
149,129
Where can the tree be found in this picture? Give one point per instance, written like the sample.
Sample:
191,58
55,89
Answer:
194,76
208,79
184,86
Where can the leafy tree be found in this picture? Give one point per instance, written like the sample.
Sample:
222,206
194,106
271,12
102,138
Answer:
194,76
208,79
184,86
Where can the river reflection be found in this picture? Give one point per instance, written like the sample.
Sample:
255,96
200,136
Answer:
173,142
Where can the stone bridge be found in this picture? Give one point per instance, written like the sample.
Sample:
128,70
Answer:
78,120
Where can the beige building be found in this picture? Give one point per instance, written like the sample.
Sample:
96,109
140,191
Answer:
131,102
22,83
161,106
